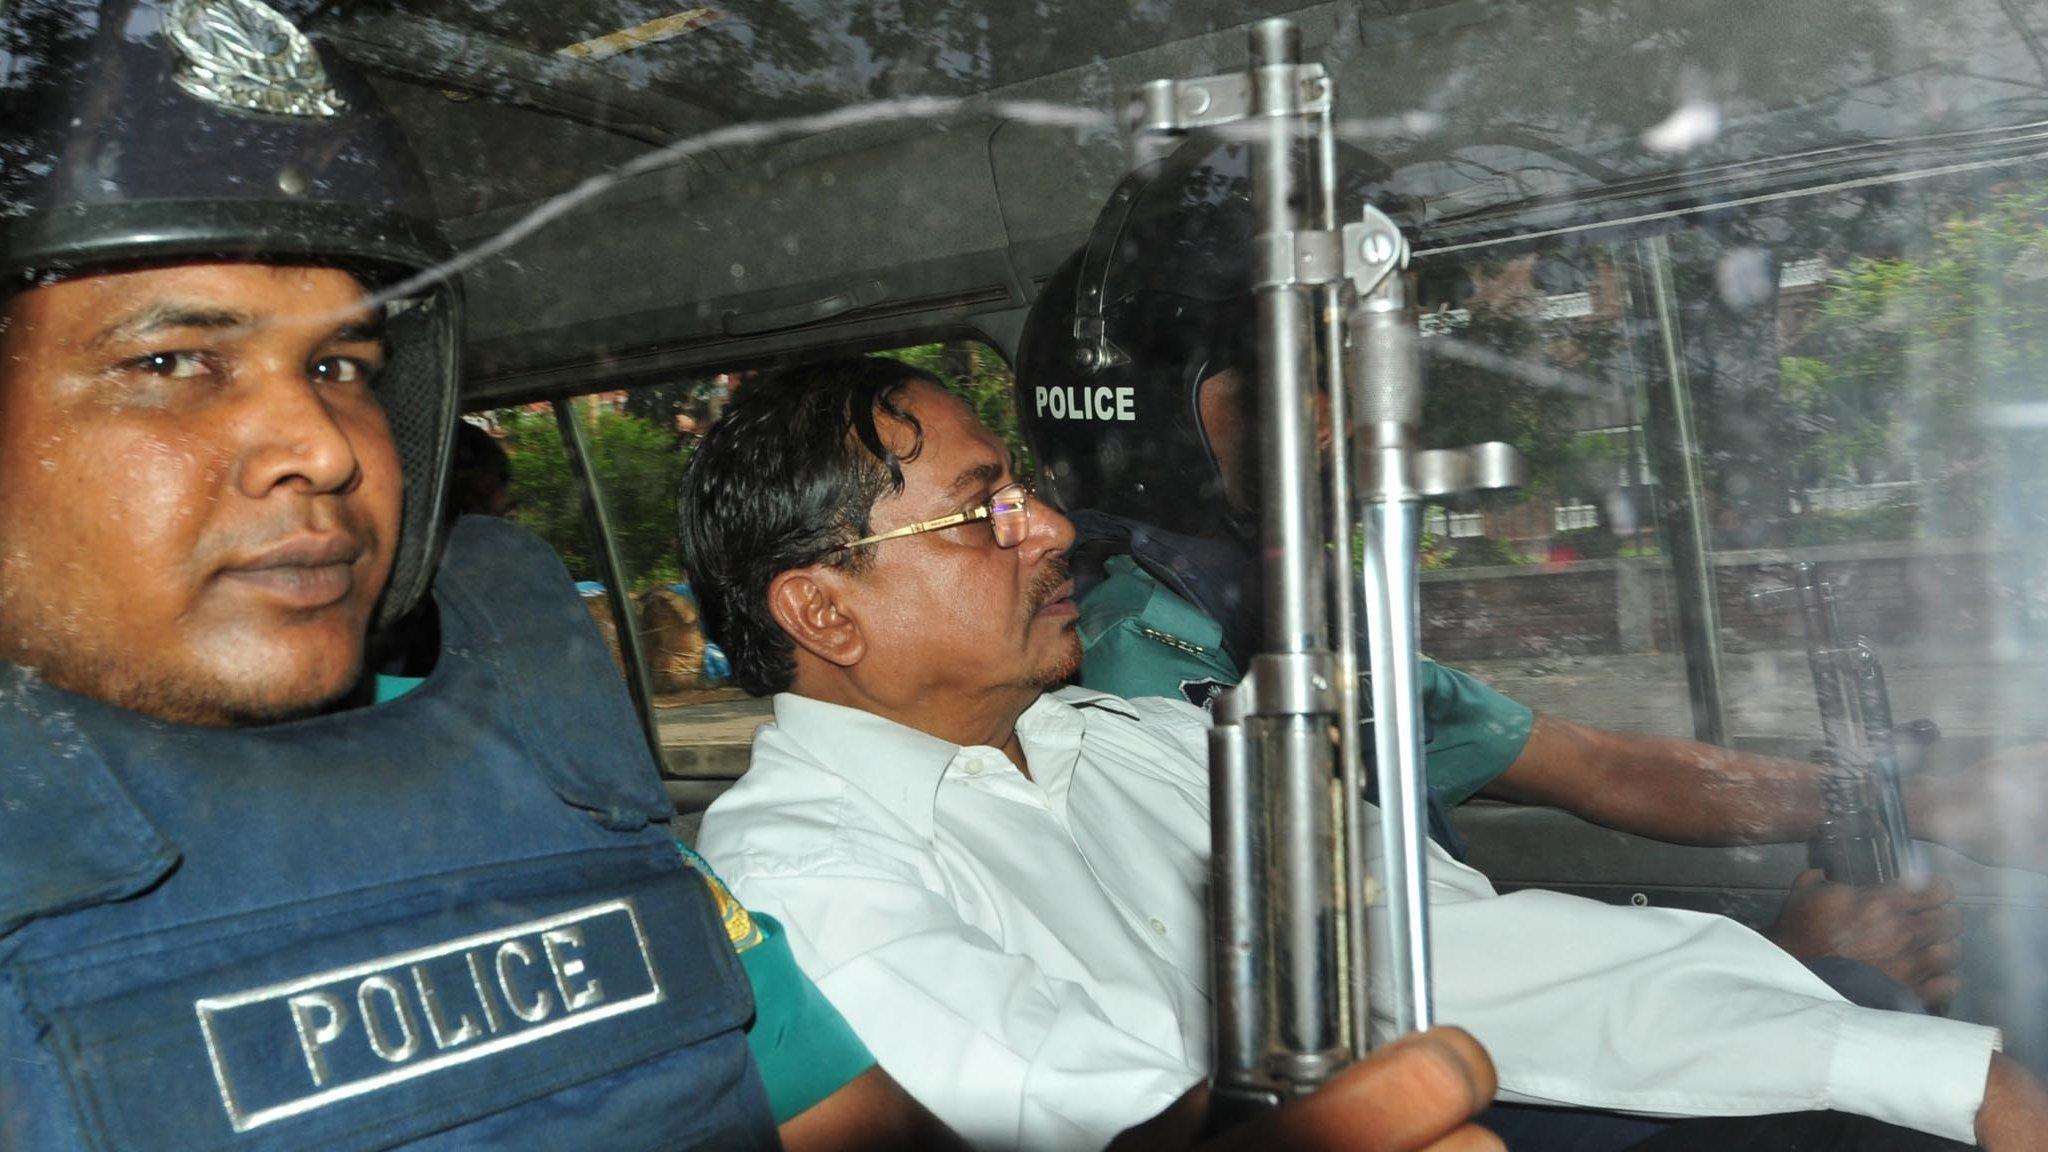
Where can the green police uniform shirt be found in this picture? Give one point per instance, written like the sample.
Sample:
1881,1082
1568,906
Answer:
1140,639
805,1049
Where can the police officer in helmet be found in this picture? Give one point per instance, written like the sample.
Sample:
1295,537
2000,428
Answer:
253,895
1134,388
241,905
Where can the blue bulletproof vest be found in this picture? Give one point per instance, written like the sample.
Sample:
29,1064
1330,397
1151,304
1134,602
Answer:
447,922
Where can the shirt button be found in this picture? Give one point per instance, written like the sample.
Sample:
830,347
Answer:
973,768
1159,926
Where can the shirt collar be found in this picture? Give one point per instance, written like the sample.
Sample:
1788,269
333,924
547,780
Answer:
897,766
901,768
1078,697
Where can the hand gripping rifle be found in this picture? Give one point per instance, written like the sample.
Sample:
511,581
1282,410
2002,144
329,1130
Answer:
1289,890
1862,838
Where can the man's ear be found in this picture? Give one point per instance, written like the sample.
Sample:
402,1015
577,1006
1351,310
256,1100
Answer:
808,604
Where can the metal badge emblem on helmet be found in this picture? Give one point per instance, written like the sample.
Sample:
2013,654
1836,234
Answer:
243,54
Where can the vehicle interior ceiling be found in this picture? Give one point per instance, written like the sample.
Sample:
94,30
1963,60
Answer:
645,188
715,144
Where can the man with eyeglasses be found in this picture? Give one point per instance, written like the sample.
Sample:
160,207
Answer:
254,895
859,537
1000,882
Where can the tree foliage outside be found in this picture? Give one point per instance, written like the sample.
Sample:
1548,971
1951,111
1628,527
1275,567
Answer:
1910,358
979,376
695,402
1508,373
1911,367
639,456
1513,393
639,467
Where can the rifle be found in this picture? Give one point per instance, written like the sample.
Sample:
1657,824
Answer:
1863,838
1288,887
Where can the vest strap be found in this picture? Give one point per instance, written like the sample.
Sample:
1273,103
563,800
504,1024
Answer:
511,590
70,835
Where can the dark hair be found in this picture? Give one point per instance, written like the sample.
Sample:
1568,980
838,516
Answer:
783,481
478,471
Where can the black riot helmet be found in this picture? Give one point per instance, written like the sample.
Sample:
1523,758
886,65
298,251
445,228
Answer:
135,132
1121,337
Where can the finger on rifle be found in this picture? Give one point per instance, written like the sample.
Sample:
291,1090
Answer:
1811,878
1938,925
1928,893
1403,1098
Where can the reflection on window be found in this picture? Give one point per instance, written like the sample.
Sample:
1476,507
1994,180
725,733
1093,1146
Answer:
1572,517
1453,525
1567,306
1444,320
1803,273
1859,497
1851,378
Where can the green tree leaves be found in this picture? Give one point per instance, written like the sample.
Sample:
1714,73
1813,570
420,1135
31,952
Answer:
639,466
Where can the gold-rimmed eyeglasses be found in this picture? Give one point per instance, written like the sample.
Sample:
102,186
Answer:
1007,510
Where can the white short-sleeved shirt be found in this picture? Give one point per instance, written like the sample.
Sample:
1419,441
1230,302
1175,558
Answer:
1029,957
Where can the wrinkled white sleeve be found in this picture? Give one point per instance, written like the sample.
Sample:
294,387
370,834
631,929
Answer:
1006,1055
1674,1013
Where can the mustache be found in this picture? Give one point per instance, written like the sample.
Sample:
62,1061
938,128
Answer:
340,527
1047,584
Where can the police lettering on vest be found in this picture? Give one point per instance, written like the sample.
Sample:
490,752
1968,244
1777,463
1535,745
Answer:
397,1017
543,971
1080,402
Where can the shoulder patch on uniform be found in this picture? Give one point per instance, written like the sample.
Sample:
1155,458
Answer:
739,923
1172,641
1202,693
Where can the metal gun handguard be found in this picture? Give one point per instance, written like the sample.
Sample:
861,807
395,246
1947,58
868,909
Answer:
1289,886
